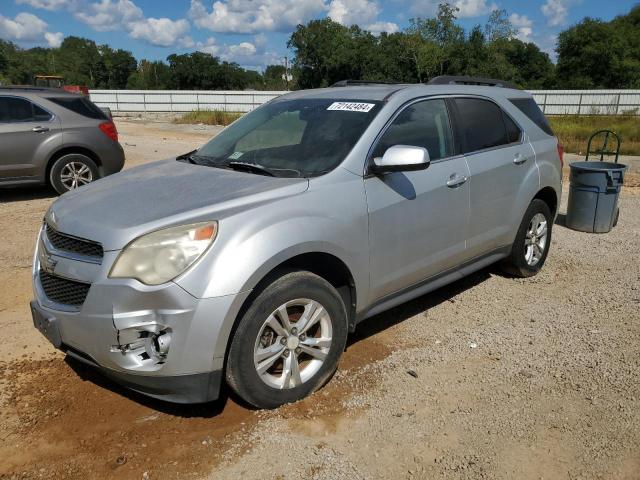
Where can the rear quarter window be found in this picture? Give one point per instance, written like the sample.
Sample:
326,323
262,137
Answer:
530,108
81,106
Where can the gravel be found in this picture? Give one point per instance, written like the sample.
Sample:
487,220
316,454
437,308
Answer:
489,378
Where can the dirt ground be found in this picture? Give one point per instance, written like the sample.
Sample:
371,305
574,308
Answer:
490,377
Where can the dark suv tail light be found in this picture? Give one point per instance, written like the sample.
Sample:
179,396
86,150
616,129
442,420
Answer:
109,129
561,154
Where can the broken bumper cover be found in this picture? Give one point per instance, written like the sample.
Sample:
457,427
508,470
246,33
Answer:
117,327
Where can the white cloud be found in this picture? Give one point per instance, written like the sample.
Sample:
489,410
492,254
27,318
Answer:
160,31
47,4
26,27
378,27
556,12
350,12
54,40
109,15
246,54
466,8
523,25
473,8
252,16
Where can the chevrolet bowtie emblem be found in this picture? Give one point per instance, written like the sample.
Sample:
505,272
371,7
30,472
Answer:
48,263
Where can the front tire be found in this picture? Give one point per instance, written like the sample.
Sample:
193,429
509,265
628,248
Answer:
72,171
288,342
531,246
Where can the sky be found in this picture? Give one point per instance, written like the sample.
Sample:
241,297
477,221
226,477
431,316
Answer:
254,33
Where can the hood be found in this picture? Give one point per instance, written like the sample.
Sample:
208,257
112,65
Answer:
121,207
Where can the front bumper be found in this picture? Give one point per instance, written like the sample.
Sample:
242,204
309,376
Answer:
114,329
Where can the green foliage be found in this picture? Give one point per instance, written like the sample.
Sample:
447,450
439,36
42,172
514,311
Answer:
574,131
209,117
597,54
591,54
326,52
150,76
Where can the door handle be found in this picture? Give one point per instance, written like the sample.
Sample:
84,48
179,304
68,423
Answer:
40,129
519,159
456,180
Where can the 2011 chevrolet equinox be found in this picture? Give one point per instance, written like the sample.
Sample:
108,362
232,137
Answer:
250,259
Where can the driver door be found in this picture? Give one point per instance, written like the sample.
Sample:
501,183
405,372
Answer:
417,219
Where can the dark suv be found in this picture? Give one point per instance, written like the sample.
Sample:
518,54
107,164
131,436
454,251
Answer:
49,136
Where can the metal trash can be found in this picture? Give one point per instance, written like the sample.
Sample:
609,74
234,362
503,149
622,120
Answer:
594,188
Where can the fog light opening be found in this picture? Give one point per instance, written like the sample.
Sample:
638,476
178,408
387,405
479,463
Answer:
160,344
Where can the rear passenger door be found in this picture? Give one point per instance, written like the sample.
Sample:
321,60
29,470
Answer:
502,170
24,127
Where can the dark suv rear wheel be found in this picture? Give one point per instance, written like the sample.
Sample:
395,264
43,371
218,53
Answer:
72,171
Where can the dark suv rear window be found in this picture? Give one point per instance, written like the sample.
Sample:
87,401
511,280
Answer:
530,108
81,106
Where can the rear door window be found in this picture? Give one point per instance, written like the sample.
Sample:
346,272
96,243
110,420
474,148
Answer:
81,106
513,131
481,124
422,124
15,109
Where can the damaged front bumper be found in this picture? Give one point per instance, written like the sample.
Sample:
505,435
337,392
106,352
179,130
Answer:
160,341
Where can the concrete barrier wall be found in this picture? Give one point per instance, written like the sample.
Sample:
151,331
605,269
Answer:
552,102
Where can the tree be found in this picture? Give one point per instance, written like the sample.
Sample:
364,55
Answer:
440,37
499,27
150,76
81,62
597,54
327,52
119,65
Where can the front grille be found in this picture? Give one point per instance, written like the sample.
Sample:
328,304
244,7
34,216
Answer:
62,290
74,245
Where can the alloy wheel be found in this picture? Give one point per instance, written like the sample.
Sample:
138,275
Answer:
535,241
293,343
75,174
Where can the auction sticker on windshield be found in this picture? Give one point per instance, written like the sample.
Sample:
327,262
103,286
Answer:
351,106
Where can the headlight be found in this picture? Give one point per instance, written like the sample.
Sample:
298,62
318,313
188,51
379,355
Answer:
160,256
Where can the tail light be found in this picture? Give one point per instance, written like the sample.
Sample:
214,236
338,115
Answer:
110,130
561,154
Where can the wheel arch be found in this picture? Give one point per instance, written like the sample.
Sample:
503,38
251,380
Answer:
323,264
66,150
549,196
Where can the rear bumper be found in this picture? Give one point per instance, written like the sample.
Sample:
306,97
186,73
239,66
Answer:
112,159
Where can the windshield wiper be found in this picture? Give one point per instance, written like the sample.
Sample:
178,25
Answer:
251,167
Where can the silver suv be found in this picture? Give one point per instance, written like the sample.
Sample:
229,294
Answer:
251,259
49,136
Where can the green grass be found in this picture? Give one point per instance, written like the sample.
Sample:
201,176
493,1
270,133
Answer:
209,117
574,131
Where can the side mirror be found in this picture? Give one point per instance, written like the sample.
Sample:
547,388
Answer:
401,158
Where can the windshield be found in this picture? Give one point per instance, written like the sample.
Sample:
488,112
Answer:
291,138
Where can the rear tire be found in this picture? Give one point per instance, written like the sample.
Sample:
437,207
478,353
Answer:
72,171
272,361
531,246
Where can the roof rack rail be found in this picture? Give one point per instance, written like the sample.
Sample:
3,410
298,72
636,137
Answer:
465,80
30,87
346,83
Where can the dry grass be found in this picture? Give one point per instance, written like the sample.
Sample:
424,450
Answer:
574,131
209,117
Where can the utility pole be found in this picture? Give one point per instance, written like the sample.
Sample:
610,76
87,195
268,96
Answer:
286,72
